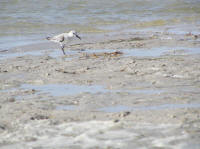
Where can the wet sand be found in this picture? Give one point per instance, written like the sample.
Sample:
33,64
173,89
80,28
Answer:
127,91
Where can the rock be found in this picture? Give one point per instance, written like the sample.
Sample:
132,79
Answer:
33,90
196,36
47,74
173,116
12,99
39,117
124,114
2,127
116,121
154,82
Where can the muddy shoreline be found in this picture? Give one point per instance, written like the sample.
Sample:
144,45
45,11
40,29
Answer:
148,91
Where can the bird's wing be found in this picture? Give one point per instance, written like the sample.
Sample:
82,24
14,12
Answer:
58,38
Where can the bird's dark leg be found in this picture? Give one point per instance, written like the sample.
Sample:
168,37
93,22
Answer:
62,48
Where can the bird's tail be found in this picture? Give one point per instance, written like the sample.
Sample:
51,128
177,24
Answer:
48,38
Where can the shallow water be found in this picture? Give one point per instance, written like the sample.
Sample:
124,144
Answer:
5,55
52,53
150,52
153,52
25,21
121,108
70,89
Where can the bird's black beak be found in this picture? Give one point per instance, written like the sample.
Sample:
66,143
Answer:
77,36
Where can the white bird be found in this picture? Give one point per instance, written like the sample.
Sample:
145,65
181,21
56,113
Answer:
63,38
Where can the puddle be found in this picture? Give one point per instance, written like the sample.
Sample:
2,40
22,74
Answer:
65,89
131,52
140,91
154,52
69,89
20,54
58,53
121,108
53,53
67,107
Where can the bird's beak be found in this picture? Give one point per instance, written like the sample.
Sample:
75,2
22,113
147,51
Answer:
77,36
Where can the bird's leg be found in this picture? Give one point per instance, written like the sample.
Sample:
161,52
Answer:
62,48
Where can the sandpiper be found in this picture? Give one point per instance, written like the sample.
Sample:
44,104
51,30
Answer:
63,38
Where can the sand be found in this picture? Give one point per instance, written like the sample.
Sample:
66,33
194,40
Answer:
124,91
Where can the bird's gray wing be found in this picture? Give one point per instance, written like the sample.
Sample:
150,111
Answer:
58,38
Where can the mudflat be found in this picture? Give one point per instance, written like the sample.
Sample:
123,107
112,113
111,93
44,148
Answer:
124,91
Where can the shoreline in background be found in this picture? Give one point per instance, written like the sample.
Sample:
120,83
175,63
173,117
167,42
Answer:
25,22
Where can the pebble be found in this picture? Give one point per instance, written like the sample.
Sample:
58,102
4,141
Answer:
5,70
2,127
39,117
154,82
116,121
124,114
12,99
33,90
173,116
47,74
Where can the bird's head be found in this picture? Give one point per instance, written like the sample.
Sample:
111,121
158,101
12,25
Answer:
73,33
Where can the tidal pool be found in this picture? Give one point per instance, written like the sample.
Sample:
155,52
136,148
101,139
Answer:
153,52
70,89
120,108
